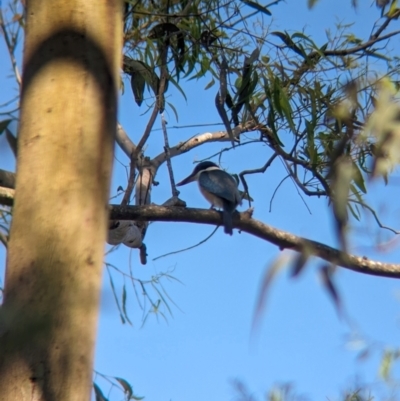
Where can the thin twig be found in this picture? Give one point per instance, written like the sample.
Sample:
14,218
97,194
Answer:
189,126
10,48
375,216
254,171
168,157
188,248
298,184
148,129
131,182
385,24
275,191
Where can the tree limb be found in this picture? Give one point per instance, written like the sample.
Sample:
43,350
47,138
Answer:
124,142
356,49
183,147
385,24
244,222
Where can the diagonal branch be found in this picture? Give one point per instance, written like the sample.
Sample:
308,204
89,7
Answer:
124,142
175,192
385,24
358,48
194,142
245,223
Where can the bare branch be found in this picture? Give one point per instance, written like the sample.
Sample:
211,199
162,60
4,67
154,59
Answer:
175,192
295,178
385,24
206,137
124,141
245,223
149,126
131,183
255,171
369,43
188,248
375,216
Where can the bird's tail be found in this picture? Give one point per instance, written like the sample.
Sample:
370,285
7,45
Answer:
227,221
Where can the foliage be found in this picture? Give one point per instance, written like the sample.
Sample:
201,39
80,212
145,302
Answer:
321,106
307,100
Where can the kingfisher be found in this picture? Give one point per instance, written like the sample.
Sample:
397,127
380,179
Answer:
219,188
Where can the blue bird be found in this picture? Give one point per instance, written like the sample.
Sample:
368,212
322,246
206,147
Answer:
219,188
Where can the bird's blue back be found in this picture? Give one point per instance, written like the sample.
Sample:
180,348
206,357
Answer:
221,184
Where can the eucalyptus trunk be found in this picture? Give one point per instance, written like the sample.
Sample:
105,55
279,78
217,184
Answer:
48,320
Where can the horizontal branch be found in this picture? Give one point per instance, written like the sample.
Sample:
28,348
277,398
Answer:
245,223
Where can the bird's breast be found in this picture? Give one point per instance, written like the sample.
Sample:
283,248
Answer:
213,199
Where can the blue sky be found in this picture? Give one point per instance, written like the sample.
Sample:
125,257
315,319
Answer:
207,344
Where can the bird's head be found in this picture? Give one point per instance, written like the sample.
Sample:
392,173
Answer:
203,166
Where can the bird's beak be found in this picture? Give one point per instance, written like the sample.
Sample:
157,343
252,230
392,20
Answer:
190,178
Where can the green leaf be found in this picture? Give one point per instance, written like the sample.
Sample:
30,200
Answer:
210,84
257,6
311,148
99,394
138,67
174,110
312,3
304,37
276,96
353,212
289,42
4,125
115,296
126,386
137,84
378,55
286,109
299,262
358,178
386,365
356,193
393,9
124,296
173,82
327,280
272,126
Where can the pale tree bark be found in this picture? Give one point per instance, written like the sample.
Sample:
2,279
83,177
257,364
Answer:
68,120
